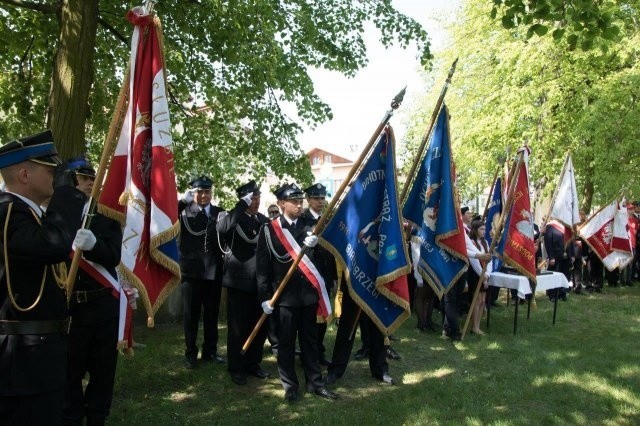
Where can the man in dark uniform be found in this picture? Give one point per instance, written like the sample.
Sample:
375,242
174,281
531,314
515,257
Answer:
33,307
94,306
561,257
239,230
201,267
316,198
298,303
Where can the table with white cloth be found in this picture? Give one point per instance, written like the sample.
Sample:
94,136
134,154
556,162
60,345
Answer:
516,282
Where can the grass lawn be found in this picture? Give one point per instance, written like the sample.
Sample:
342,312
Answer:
584,370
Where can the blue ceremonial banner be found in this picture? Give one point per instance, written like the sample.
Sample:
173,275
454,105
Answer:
432,207
493,218
365,235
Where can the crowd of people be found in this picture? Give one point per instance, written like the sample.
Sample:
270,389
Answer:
51,341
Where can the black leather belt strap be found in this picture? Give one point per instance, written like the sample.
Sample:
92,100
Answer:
35,327
88,296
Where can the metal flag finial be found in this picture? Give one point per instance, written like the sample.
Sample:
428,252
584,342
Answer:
397,100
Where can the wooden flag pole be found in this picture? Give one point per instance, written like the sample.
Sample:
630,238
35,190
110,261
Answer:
494,241
395,104
425,139
110,143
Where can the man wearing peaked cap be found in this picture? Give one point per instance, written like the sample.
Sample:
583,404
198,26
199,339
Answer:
299,300
239,233
33,309
201,263
316,198
94,307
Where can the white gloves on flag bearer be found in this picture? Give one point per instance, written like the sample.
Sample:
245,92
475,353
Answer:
85,240
311,240
267,308
248,198
187,197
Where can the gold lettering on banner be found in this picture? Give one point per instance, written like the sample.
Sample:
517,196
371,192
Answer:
521,249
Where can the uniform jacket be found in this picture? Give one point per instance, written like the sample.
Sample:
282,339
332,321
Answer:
200,253
106,252
239,232
32,364
271,270
554,244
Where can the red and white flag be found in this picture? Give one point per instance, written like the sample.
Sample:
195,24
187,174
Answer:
606,233
140,188
565,207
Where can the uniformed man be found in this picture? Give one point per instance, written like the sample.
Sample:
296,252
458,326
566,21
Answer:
298,302
94,306
33,308
239,230
316,198
201,267
561,256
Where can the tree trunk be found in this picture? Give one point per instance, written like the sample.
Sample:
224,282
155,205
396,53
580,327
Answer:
587,195
72,75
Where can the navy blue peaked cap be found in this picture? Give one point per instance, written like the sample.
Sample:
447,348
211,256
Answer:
250,187
316,190
289,191
38,148
201,182
81,166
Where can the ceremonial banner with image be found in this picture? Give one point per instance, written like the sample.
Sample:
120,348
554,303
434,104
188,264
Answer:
140,188
517,247
432,207
365,235
494,213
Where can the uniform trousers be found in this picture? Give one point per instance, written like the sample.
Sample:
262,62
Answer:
243,313
371,336
34,410
300,322
201,297
92,349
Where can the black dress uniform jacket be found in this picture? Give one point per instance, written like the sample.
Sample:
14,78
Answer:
31,363
240,231
200,254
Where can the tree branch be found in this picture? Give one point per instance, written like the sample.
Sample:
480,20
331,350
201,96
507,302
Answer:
112,30
44,8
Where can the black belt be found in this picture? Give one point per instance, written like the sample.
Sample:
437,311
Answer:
35,327
88,296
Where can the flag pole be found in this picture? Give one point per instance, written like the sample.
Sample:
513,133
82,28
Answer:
110,143
498,236
425,139
493,186
366,152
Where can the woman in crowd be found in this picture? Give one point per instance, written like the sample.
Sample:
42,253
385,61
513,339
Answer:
473,274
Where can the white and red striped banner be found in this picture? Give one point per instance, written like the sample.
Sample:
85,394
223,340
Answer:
306,266
140,188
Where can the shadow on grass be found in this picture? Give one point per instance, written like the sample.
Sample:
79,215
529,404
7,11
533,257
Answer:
583,370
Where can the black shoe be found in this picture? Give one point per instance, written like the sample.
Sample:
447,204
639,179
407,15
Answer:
324,361
212,358
326,393
239,379
191,363
259,373
361,354
392,354
331,378
387,379
291,395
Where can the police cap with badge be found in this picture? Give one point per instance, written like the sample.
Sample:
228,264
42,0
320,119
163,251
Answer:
250,187
289,191
317,190
201,183
81,166
38,148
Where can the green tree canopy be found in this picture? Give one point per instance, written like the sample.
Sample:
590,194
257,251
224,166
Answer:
510,89
233,66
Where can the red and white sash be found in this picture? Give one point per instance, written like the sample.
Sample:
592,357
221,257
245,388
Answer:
100,274
306,267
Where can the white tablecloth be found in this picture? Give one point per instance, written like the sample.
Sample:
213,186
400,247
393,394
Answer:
515,282
552,280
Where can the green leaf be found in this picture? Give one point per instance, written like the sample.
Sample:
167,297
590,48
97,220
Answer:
558,33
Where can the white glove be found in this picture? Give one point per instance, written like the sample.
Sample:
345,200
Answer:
420,283
85,240
132,294
187,197
267,308
247,198
311,240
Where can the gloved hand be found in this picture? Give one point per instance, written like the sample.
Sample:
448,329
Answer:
187,197
85,240
420,283
311,240
132,295
267,308
64,177
247,198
